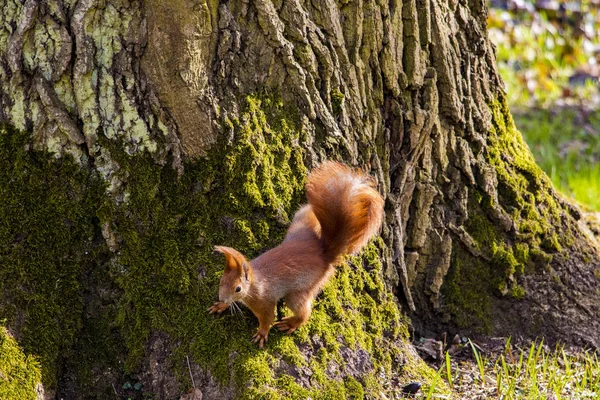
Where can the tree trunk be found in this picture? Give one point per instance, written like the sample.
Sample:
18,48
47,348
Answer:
157,130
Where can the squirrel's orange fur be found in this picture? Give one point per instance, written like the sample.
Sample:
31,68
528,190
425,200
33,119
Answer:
344,211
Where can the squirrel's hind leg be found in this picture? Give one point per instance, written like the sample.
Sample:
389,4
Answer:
301,306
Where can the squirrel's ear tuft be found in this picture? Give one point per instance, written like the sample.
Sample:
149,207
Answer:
221,249
246,270
233,258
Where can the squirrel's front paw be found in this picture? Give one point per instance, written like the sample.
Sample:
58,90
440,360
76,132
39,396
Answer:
218,307
260,338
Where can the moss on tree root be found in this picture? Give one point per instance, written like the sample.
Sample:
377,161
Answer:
163,272
525,194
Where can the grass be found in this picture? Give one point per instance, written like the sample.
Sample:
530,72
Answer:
534,372
566,145
480,364
542,373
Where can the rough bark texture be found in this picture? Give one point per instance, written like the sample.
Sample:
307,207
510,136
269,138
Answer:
193,123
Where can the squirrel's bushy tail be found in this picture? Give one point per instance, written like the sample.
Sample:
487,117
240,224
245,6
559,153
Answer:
347,205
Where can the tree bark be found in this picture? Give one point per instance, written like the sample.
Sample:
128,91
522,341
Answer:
169,100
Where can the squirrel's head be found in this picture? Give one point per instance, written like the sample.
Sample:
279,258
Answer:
237,277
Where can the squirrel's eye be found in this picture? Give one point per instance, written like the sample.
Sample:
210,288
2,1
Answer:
238,289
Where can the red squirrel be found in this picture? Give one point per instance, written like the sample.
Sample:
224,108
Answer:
344,211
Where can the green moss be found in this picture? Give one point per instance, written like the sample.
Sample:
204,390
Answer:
467,291
47,241
497,276
504,260
540,258
355,312
165,273
337,101
551,242
485,233
354,389
521,251
518,292
20,374
524,194
243,195
523,187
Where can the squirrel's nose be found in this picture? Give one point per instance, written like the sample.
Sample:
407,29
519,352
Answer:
224,298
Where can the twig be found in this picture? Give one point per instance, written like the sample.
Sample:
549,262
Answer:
190,369
115,390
